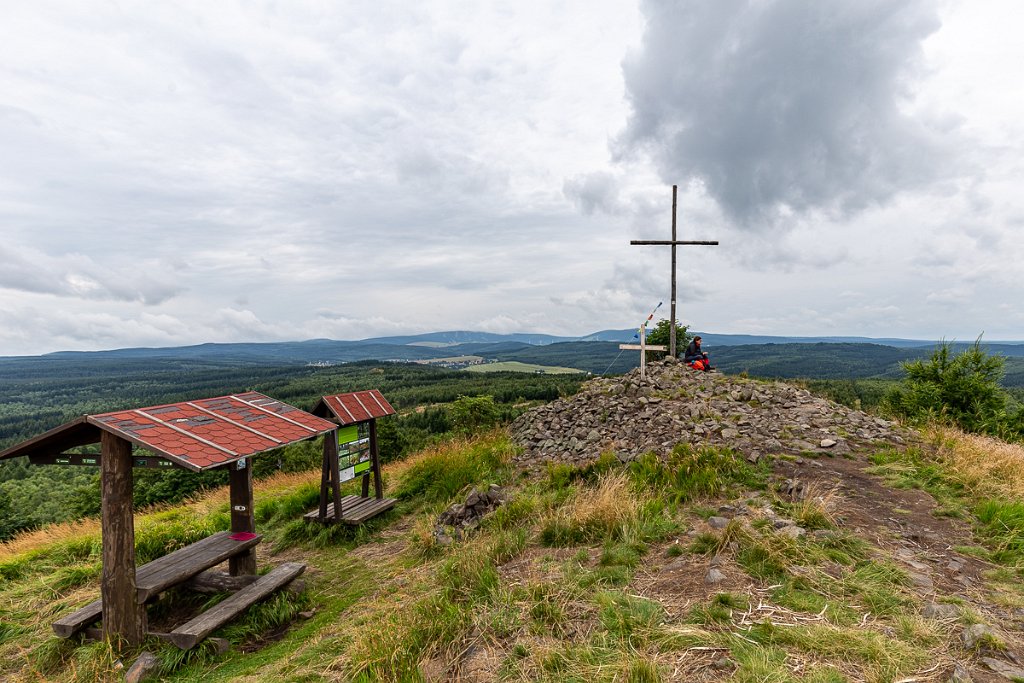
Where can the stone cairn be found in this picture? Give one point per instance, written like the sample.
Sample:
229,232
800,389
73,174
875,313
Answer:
461,518
628,417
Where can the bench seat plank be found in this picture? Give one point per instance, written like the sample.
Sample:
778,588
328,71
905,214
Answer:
354,509
192,633
170,570
154,577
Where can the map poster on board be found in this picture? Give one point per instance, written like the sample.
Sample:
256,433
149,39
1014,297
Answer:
353,453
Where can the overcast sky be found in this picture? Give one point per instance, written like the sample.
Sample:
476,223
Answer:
178,172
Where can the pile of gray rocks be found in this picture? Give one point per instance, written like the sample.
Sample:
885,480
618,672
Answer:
460,518
630,416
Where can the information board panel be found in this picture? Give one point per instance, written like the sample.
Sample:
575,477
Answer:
353,453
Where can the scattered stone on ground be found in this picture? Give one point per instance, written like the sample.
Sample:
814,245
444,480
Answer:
940,611
960,674
974,636
1004,669
629,417
718,522
143,669
460,518
714,576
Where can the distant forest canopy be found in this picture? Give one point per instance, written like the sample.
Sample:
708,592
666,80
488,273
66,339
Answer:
39,393
36,397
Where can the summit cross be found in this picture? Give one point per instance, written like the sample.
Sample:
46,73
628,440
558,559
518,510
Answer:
673,243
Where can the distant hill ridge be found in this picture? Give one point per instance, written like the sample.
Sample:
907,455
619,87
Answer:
428,345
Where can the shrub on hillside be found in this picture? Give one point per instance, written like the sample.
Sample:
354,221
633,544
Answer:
472,414
963,389
661,335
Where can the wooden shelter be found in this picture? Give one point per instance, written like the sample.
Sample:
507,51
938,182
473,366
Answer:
225,431
351,455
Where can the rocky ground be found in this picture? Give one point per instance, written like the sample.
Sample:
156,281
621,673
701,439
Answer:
801,435
630,416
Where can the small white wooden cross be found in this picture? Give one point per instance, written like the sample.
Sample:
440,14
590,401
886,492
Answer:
643,348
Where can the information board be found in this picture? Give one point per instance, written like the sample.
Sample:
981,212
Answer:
353,453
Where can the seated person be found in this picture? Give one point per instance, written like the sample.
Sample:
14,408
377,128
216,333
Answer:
695,357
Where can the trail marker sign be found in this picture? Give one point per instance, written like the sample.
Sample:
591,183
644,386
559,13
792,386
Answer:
643,348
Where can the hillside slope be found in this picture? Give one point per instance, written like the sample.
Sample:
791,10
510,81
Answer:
686,528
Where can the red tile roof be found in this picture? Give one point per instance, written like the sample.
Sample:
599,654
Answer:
356,407
198,434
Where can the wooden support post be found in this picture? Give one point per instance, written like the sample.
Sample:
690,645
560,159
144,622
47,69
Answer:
242,518
672,311
366,477
325,478
332,457
123,617
378,485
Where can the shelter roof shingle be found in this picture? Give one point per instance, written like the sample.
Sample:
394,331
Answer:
197,435
355,407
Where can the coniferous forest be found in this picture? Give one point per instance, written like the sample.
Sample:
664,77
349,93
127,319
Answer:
39,393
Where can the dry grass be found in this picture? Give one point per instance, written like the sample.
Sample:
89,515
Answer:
602,511
201,505
41,538
817,508
983,464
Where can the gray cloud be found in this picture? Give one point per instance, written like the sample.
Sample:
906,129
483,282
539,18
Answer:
185,172
591,192
784,106
78,276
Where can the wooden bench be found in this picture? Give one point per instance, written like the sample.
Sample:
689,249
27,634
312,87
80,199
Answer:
354,509
154,577
191,634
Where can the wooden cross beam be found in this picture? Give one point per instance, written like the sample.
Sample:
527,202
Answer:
673,243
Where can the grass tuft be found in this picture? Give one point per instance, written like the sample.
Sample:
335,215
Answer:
593,514
696,473
439,473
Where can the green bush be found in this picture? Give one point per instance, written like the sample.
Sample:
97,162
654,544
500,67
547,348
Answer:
962,389
661,335
471,414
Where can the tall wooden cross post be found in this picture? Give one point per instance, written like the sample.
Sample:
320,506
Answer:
673,243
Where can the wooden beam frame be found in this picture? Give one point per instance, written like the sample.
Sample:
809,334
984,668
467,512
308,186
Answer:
93,460
330,480
330,483
674,243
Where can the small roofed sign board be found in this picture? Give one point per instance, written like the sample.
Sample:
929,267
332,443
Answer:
353,453
354,408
